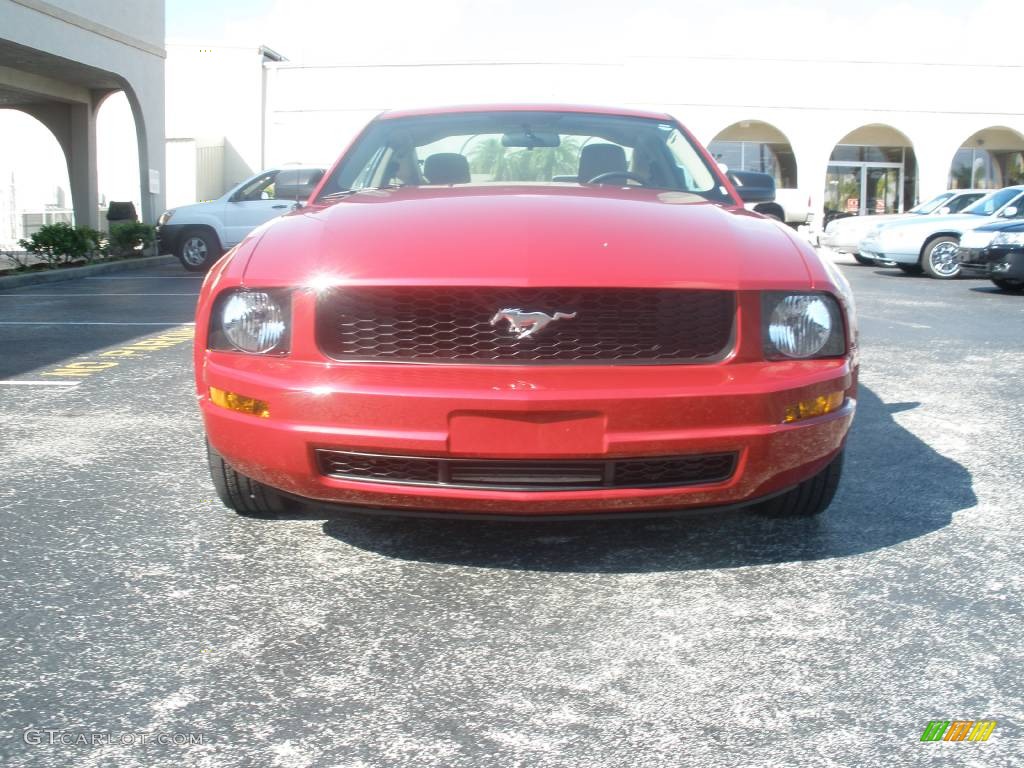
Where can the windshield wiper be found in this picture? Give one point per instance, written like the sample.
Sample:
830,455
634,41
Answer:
346,192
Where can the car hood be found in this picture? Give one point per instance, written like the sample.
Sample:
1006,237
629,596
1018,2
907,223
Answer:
526,236
191,208
850,223
957,222
1005,225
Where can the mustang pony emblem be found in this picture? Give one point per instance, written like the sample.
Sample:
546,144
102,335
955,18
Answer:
527,324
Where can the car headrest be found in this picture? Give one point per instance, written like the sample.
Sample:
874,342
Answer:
446,168
596,159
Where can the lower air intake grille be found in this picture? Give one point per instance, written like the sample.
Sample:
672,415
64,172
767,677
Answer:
548,475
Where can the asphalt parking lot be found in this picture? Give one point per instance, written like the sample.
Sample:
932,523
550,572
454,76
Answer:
132,602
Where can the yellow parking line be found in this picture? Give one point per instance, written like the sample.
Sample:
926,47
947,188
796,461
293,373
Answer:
101,361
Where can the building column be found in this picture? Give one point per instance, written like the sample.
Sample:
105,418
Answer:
933,163
148,109
812,158
81,156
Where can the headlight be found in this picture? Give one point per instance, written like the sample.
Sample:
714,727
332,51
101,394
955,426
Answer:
1004,238
251,321
974,239
802,325
165,217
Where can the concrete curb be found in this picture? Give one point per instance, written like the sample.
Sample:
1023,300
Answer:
76,273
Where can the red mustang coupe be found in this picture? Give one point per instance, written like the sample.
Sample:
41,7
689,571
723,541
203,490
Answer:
525,310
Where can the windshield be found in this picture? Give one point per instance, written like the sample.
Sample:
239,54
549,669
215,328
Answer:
519,147
989,204
932,204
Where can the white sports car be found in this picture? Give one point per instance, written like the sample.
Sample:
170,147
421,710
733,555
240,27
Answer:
930,243
844,235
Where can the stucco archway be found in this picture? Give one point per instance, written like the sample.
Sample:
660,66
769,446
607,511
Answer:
754,145
872,170
989,159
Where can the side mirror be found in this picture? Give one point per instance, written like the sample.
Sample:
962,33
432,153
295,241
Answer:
944,210
753,187
1008,212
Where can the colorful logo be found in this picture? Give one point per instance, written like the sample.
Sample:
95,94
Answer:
958,730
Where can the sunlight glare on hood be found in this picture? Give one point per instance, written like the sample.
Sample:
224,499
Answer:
321,282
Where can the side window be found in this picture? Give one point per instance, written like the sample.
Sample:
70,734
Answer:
962,202
260,188
1014,209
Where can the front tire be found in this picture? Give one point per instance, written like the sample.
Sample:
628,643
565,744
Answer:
198,250
808,499
939,258
243,494
1012,286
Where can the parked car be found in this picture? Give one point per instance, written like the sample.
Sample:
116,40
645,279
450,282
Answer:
997,252
199,233
930,243
447,328
844,234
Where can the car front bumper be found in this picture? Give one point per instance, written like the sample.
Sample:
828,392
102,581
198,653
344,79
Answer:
997,263
873,248
839,241
526,413
167,237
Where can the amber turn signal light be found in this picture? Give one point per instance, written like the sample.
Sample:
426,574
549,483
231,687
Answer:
240,403
818,406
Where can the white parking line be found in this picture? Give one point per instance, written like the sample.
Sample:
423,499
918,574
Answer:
919,326
55,322
17,383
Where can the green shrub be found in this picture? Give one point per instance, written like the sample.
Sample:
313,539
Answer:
61,243
128,238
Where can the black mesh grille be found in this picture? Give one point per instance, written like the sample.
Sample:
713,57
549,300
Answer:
554,474
424,324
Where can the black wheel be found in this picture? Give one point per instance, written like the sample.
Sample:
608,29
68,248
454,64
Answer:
863,259
939,258
808,499
1013,286
910,269
198,249
242,494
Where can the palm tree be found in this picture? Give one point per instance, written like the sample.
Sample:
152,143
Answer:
525,164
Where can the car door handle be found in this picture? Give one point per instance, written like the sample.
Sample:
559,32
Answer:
279,206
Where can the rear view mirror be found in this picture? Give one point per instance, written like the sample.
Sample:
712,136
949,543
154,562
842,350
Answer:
530,140
753,187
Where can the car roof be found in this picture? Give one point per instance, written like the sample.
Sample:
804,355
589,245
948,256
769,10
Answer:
465,108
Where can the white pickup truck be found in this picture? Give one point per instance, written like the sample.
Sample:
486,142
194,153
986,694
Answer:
790,206
199,233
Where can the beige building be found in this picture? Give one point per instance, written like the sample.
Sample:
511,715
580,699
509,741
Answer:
59,60
216,115
853,136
